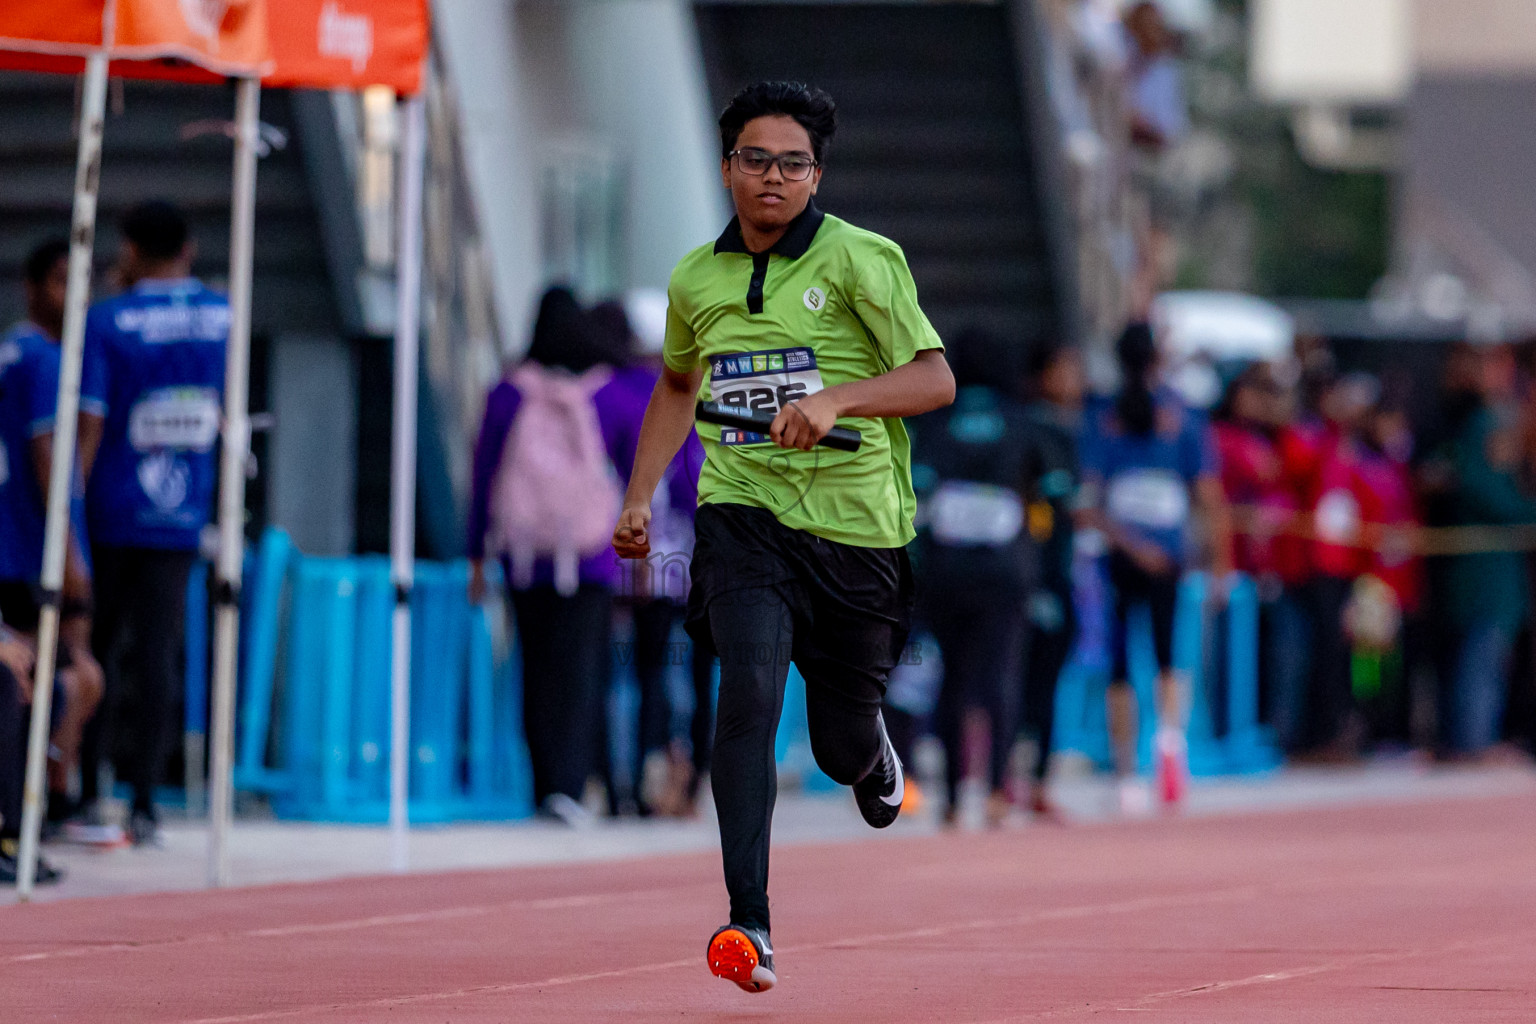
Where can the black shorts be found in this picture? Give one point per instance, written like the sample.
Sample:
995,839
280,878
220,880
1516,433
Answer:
21,607
1133,585
855,602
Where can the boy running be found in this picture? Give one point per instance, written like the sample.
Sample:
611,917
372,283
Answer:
800,553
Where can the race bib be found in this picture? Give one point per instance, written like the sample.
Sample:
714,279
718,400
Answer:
761,382
1337,518
962,513
1154,499
186,418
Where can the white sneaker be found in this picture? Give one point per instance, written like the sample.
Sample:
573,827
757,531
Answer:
84,833
567,811
1135,798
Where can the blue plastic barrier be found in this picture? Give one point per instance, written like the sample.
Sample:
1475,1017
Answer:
337,708
265,574
195,680
266,577
792,746
316,736
1241,746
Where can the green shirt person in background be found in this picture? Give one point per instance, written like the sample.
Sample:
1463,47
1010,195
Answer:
799,553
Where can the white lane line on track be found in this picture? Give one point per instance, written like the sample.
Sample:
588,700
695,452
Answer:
1148,1002
388,1002
354,924
1241,893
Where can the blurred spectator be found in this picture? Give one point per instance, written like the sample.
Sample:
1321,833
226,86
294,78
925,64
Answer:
1266,500
15,697
1145,456
1333,497
1159,114
29,384
1482,596
978,562
654,591
156,354
1158,119
1055,386
1387,647
544,497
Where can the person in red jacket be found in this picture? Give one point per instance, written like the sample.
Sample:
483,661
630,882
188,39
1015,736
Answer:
1266,500
1334,494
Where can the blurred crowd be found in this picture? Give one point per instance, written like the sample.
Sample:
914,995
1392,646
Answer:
550,465
151,385
1388,534
1389,548
1389,539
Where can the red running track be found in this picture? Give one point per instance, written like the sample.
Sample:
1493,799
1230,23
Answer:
1406,913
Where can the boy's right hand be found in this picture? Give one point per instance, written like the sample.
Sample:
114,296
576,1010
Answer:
631,538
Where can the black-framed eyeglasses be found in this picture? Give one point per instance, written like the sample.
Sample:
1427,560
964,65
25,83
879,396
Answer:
794,166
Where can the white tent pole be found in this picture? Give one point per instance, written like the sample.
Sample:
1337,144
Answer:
82,238
402,534
235,457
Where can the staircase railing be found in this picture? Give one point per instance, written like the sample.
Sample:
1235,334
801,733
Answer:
1076,103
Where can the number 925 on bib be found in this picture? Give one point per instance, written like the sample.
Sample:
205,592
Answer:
761,382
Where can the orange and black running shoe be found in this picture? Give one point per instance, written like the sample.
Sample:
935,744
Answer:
743,955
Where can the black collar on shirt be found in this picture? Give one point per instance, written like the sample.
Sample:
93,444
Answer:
792,245
795,240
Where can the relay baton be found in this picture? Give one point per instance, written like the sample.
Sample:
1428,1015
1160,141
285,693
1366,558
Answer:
758,421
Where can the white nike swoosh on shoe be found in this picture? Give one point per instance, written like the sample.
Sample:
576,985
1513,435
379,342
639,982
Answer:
898,792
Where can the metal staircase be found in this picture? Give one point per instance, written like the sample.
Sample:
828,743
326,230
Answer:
146,156
939,143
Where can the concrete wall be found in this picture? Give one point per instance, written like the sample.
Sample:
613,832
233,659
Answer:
1480,37
312,454
478,41
622,80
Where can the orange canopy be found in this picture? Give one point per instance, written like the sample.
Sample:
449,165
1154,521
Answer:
347,44
162,38
321,44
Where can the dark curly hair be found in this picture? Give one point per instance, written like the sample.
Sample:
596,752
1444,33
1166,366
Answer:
1136,406
811,108
42,260
157,228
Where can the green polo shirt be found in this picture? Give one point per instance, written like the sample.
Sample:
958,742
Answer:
829,303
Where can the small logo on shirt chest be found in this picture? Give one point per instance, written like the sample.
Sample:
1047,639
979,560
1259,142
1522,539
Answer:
814,299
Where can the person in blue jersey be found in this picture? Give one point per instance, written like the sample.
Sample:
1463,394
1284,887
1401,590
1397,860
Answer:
29,384
157,353
1146,460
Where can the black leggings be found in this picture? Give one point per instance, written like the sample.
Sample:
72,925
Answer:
14,721
1133,585
565,670
1047,653
764,596
141,620
980,635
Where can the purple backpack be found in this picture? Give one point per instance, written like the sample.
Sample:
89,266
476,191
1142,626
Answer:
556,494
